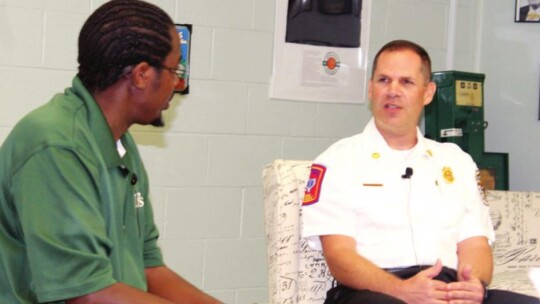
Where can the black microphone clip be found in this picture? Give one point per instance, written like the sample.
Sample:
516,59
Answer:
125,173
408,173
123,170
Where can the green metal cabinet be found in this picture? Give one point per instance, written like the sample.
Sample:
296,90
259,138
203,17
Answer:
456,115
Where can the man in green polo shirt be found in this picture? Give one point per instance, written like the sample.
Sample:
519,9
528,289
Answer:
76,223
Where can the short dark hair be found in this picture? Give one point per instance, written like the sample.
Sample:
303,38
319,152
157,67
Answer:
121,33
399,45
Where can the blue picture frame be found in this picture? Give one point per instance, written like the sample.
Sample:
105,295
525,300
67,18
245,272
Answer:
184,33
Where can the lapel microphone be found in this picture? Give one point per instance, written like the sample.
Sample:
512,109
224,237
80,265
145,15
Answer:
408,173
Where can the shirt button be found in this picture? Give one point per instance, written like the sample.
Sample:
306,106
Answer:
133,179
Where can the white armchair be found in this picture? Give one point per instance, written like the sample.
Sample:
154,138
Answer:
296,274
299,275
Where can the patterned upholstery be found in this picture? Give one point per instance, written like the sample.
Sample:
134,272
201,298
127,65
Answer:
296,274
299,275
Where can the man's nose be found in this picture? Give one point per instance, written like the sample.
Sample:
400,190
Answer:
394,89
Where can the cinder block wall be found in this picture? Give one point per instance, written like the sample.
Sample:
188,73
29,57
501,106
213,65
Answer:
205,165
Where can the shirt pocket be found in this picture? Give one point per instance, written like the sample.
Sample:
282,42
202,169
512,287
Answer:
378,209
450,207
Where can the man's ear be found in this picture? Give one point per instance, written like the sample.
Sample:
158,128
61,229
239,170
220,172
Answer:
430,92
370,93
370,88
141,75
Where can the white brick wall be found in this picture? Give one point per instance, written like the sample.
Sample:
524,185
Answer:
21,30
205,166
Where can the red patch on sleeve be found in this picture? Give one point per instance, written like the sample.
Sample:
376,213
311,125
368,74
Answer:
313,187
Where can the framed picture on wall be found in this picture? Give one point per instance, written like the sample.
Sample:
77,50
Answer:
184,33
527,11
320,46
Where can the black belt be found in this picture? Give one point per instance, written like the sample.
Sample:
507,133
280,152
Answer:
446,275
410,268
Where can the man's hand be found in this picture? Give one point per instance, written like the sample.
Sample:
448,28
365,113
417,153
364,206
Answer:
355,271
469,290
423,289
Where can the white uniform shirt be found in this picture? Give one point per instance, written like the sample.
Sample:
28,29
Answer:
356,189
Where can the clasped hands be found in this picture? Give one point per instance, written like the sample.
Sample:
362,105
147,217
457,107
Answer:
422,288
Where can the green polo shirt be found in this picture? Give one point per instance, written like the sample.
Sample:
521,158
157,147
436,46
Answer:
69,224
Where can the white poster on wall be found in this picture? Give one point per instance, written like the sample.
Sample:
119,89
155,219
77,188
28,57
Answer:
320,50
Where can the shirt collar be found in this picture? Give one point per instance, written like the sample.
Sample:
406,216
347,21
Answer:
378,146
97,124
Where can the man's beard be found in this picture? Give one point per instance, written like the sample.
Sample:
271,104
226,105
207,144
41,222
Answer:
158,122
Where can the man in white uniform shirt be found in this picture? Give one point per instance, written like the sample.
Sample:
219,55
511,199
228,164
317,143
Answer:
401,218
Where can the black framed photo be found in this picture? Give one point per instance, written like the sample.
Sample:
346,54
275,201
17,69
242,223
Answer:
184,33
527,11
